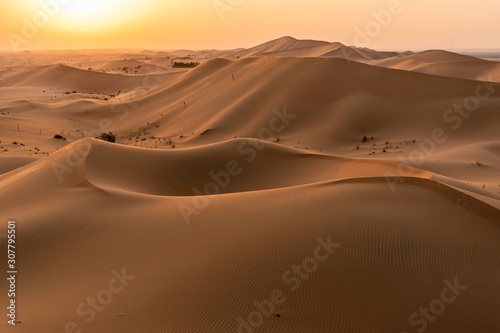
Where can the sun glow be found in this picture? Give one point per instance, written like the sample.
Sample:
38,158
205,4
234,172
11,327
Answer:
89,15
86,7
89,10
40,24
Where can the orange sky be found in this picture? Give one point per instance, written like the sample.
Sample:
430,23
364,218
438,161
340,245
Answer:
198,24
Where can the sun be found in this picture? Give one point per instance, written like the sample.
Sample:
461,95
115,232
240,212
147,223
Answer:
83,8
88,15
91,16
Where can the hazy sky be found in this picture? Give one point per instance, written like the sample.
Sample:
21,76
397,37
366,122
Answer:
199,24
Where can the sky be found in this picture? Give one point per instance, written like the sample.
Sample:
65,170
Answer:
227,24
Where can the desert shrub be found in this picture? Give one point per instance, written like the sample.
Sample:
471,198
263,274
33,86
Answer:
58,136
186,64
110,137
479,164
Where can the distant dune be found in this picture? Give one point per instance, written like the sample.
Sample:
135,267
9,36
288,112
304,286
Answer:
70,78
436,62
291,47
445,64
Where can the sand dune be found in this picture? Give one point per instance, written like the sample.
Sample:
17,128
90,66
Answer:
277,45
10,163
385,104
131,65
192,168
334,50
436,62
445,64
390,100
306,187
205,279
72,78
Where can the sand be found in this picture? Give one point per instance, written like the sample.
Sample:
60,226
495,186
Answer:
297,186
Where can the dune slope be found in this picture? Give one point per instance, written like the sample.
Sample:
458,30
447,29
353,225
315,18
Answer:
390,252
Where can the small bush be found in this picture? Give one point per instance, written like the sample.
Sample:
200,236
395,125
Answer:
58,136
186,64
479,164
110,137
